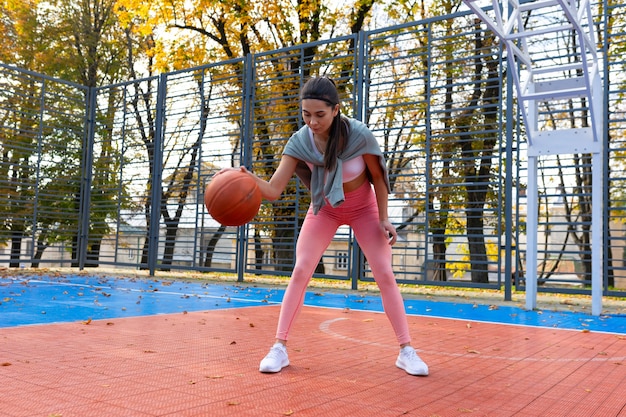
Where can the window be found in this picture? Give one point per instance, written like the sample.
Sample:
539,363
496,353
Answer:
341,261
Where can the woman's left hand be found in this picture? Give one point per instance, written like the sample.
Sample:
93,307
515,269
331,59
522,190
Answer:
390,231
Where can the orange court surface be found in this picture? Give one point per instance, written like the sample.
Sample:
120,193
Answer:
80,346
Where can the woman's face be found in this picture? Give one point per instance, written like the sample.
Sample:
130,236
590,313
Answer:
319,115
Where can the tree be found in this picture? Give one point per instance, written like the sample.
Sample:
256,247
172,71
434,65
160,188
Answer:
477,153
198,32
24,44
96,55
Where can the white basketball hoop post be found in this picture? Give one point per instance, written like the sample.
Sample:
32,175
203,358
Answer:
543,79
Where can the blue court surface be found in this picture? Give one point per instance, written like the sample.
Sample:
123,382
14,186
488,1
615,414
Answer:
32,300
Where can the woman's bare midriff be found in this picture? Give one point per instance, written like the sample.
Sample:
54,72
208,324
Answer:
355,183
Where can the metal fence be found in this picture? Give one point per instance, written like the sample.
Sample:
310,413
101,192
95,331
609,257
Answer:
114,176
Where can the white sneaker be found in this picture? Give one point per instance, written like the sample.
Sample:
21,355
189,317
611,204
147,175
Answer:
275,360
411,362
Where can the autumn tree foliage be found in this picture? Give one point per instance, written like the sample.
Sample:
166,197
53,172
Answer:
192,33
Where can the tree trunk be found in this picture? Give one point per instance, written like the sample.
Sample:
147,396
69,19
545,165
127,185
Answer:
16,248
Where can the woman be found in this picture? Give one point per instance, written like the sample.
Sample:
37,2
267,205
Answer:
339,160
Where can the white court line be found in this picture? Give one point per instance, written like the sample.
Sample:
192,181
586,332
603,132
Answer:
326,328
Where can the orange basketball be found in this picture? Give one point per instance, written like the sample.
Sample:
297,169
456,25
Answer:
232,198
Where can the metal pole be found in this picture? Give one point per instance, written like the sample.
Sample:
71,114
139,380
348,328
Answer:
246,157
532,219
87,177
155,212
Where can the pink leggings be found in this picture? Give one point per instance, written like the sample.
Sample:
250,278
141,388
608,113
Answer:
360,212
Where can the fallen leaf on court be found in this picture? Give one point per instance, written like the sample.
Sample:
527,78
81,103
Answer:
233,343
585,331
6,364
232,403
215,376
87,322
251,324
288,413
192,382
368,320
473,351
469,326
110,323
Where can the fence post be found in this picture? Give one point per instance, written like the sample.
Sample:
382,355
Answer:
508,192
247,79
356,272
155,198
608,271
87,176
